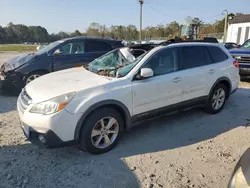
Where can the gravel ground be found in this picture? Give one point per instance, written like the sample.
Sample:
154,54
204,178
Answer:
186,149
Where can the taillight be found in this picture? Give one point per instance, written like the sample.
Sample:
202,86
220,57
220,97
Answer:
236,64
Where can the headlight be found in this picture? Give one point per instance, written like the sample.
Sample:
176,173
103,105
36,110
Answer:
53,105
239,180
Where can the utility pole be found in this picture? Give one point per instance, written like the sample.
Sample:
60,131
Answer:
225,26
141,3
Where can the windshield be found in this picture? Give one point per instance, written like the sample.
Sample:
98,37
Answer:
46,49
116,63
112,60
126,69
246,44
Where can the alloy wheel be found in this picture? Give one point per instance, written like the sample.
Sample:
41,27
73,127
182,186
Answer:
218,98
32,77
105,132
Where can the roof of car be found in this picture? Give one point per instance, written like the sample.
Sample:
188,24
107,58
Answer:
185,44
90,37
194,43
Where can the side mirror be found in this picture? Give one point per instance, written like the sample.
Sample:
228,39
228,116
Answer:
146,73
57,52
238,46
241,174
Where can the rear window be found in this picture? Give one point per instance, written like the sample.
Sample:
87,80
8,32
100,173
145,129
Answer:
217,54
97,46
194,56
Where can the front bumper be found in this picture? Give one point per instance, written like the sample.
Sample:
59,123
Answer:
11,81
58,129
48,139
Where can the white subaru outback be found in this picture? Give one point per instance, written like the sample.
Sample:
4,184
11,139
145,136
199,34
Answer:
92,106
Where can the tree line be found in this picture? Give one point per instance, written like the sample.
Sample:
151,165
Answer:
19,33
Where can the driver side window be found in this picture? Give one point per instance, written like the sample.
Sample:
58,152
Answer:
66,49
163,62
76,47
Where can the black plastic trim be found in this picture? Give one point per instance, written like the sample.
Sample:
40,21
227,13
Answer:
120,105
172,108
220,80
52,140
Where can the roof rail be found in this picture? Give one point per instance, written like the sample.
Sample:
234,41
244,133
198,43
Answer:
179,40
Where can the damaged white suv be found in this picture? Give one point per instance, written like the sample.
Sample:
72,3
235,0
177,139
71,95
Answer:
92,106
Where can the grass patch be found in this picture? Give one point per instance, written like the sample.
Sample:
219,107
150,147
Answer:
17,47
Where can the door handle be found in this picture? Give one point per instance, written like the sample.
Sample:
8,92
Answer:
211,71
177,79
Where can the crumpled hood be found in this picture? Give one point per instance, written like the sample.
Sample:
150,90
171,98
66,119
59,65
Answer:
62,82
21,59
240,51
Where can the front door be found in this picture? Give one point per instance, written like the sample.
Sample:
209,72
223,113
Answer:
161,90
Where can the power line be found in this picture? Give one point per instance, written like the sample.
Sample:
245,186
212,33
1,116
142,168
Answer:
154,2
158,11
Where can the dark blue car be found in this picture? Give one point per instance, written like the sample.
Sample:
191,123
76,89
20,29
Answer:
59,55
242,54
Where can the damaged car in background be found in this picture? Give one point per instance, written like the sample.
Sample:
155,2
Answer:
59,55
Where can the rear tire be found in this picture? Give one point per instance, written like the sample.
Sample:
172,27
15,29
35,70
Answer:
217,99
101,131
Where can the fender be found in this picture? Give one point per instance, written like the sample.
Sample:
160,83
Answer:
121,106
220,80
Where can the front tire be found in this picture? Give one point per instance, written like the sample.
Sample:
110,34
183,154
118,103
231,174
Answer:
101,131
33,76
217,99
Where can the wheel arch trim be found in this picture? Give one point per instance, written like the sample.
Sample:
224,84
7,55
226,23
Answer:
221,79
120,105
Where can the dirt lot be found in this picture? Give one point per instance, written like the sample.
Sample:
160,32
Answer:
187,149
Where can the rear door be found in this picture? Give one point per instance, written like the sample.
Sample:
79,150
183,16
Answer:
195,63
72,55
96,48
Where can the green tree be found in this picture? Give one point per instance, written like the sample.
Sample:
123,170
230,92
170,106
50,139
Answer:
197,21
93,29
2,35
131,32
62,35
76,33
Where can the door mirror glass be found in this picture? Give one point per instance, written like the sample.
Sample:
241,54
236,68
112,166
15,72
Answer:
146,73
238,46
57,52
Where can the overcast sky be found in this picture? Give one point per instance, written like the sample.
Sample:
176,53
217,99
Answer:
69,15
